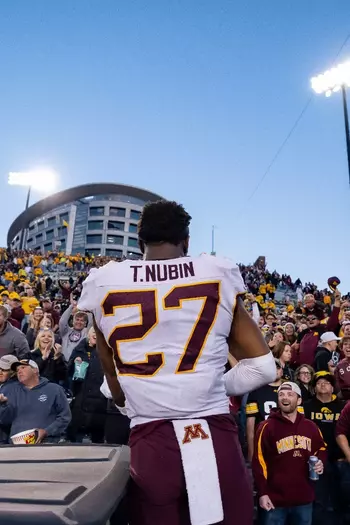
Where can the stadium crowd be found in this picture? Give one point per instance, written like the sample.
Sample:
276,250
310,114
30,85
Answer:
48,347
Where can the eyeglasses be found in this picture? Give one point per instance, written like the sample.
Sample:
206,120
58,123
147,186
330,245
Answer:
305,373
311,319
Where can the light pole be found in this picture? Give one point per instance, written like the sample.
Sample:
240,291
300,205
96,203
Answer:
331,81
43,180
213,252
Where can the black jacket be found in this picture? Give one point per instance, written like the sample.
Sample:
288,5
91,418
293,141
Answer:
89,405
322,358
55,370
326,415
5,429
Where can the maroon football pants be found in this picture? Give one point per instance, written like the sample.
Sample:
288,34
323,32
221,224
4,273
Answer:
158,489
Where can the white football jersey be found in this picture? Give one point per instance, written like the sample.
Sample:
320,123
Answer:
168,322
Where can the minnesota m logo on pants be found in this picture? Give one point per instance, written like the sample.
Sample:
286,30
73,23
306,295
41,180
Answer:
194,432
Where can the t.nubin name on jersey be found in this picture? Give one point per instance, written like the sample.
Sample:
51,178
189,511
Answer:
157,272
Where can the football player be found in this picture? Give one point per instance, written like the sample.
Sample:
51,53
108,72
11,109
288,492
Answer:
164,327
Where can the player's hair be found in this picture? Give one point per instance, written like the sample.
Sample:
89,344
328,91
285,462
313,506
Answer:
164,221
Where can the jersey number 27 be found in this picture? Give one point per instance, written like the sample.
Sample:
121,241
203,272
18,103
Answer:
147,302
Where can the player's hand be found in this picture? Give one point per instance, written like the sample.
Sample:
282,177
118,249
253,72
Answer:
318,467
3,399
265,503
41,435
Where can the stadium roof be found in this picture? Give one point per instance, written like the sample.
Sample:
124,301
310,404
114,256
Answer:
64,197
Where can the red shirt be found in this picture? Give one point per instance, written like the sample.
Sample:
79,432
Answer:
342,376
343,425
280,462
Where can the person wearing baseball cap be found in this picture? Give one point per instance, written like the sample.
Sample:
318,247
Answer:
34,402
6,373
327,357
17,311
284,444
324,409
24,362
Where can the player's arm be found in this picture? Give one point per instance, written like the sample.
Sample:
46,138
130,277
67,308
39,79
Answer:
105,353
256,366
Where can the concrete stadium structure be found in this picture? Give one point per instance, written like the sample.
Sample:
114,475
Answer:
99,219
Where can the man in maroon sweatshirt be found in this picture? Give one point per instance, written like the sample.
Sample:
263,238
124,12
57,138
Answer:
283,446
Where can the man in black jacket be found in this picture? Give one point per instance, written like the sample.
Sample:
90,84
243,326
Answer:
327,357
89,404
324,409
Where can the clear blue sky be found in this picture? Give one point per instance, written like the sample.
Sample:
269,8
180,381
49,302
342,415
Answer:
190,99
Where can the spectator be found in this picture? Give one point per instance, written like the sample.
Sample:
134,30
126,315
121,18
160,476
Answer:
17,311
283,352
50,310
304,375
12,340
29,301
284,444
45,322
327,357
324,409
48,356
89,404
311,307
71,336
34,402
259,405
342,370
289,333
6,374
6,377
343,439
305,347
273,339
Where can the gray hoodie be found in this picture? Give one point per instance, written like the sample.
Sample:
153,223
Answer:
71,337
13,341
44,406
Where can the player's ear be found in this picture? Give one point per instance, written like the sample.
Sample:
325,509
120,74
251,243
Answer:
186,245
142,246
299,401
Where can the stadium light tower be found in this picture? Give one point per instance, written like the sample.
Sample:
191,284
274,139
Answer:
331,81
41,179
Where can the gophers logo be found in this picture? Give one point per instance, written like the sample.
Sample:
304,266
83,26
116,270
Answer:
194,432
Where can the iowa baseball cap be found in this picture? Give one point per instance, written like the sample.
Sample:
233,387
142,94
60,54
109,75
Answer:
26,362
289,385
323,374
